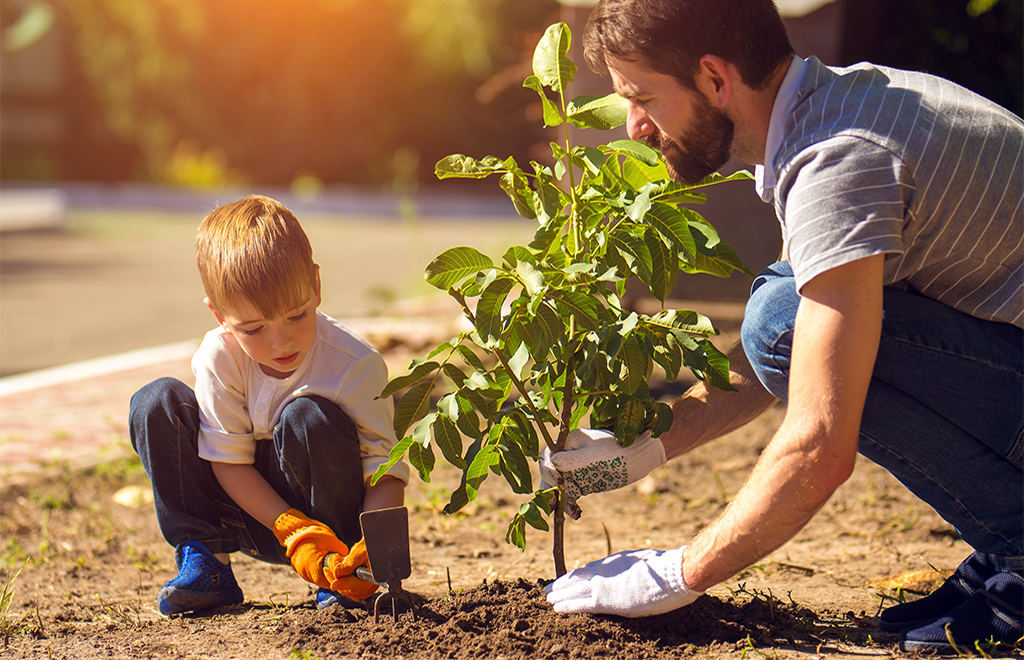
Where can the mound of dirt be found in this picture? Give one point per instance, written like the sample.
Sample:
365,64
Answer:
513,620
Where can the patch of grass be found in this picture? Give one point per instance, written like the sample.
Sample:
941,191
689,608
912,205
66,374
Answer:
6,599
302,655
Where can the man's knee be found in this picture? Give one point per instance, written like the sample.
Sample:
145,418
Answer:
767,330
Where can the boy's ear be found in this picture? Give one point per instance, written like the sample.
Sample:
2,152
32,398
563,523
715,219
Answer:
213,310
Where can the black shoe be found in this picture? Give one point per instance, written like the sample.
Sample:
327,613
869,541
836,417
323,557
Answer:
992,616
968,578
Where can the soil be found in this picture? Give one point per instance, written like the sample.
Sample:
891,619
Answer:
83,559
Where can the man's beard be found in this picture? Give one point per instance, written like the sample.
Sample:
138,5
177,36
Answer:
708,145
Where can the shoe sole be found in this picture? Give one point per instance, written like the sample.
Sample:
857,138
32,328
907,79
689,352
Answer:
178,601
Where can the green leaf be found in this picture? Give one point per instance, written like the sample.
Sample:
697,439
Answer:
412,407
460,166
516,532
517,363
639,208
715,178
600,112
638,174
663,265
672,225
551,63
630,418
478,469
421,458
634,250
668,354
459,498
395,455
419,373
448,440
552,117
531,278
470,357
531,512
683,319
718,368
634,362
454,265
633,149
488,309
580,306
588,159
518,190
514,466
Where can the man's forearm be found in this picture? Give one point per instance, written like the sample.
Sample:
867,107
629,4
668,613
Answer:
706,412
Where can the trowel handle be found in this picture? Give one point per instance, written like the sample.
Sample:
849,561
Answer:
362,572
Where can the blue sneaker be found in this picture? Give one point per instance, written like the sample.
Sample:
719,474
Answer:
993,615
325,598
202,582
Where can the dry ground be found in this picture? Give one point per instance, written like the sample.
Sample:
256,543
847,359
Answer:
82,572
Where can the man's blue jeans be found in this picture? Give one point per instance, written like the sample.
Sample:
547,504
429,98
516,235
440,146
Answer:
313,462
944,411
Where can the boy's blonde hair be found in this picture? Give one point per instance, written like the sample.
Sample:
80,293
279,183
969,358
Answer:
255,250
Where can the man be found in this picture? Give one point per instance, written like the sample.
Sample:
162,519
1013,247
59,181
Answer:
900,197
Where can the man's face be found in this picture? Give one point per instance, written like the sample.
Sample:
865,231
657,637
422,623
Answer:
694,137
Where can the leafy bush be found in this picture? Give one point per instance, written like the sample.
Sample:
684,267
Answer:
550,342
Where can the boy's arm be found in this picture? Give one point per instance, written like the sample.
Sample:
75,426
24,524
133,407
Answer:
387,492
250,490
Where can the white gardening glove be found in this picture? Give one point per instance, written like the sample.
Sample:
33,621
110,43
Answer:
594,462
632,584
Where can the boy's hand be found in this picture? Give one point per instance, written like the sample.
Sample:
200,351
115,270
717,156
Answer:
309,543
339,570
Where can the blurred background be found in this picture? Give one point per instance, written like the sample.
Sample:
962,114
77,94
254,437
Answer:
122,122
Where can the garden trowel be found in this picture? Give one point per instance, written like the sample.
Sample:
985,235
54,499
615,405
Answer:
386,535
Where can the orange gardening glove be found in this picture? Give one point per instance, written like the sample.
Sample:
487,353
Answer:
308,543
339,570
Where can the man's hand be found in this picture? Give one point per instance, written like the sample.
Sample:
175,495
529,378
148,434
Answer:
632,584
309,543
594,462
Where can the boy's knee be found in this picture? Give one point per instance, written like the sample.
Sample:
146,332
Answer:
316,412
159,394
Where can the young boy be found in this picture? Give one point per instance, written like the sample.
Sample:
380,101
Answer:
273,451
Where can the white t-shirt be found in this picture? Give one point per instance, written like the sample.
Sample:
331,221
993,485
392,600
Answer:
240,405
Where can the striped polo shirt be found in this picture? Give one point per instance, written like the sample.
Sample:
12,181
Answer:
876,160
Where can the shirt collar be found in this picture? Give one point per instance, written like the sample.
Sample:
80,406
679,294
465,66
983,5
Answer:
764,175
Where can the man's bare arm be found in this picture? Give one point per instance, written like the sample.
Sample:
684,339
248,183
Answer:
835,343
705,412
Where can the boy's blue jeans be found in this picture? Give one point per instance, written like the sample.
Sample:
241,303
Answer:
944,411
313,462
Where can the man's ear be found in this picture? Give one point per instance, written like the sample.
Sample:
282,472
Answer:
716,79
213,310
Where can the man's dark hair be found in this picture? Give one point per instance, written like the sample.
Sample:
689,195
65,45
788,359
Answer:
670,36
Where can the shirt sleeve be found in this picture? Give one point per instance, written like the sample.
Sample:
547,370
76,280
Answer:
225,429
844,199
373,416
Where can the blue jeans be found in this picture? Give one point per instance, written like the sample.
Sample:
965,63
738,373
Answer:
313,462
944,411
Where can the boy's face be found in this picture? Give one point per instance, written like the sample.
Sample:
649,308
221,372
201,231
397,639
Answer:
279,345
